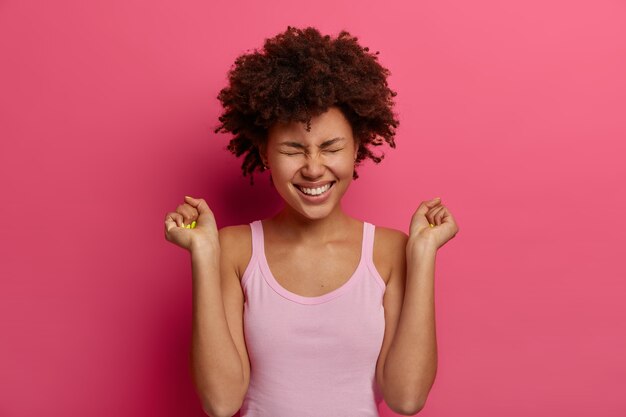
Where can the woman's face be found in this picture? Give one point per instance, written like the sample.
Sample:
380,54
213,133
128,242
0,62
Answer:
299,159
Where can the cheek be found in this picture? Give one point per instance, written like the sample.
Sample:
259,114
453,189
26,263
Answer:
287,168
345,166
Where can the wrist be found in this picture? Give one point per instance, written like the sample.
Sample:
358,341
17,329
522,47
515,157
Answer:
205,249
420,247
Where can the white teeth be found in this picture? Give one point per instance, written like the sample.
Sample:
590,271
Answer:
316,191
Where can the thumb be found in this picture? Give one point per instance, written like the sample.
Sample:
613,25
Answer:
427,205
198,203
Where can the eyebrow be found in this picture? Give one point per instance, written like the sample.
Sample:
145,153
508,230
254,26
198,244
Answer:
301,146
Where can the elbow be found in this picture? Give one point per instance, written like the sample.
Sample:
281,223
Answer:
406,405
219,409
414,407
214,410
223,402
412,401
407,408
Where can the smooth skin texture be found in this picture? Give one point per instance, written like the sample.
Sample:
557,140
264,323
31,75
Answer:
309,231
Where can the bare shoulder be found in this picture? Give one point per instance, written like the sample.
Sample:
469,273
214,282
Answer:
236,245
389,250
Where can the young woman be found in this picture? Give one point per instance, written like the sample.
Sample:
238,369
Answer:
310,312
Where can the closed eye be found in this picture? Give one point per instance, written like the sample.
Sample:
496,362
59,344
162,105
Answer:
300,153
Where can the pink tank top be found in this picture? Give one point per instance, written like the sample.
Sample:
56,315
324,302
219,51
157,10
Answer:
313,356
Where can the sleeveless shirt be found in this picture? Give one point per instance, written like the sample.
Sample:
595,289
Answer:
313,356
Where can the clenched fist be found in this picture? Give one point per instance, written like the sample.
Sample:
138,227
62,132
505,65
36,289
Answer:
192,211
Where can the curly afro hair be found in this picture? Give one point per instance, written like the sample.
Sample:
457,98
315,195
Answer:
300,74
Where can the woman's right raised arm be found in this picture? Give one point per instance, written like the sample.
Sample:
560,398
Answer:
218,358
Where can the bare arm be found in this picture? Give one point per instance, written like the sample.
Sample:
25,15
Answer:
411,363
218,357
215,361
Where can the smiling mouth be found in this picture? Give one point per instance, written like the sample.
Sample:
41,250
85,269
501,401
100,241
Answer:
332,184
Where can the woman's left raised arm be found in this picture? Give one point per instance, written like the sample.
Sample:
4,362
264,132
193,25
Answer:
411,364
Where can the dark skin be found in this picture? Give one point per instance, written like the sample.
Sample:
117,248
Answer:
407,363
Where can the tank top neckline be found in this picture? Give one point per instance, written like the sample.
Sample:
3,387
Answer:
271,280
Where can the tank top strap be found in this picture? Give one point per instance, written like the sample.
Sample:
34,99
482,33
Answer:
368,252
257,250
368,243
257,239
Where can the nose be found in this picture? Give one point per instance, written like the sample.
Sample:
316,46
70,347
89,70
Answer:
313,167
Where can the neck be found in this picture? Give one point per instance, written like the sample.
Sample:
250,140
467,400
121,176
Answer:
294,226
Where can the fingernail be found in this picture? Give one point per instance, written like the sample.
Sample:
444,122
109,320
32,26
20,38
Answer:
193,224
188,197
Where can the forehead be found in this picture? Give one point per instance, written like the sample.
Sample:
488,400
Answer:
325,126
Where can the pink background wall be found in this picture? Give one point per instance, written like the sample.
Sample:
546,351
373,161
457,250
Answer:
512,112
